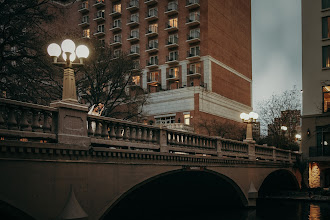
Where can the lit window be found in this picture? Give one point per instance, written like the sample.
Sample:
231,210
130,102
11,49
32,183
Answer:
326,27
195,68
153,77
136,80
186,118
173,72
173,22
325,4
86,33
326,56
326,98
116,8
153,28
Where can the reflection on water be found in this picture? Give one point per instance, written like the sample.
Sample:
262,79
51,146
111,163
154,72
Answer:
314,212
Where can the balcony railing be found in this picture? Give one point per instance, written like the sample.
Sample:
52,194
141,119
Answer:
116,26
151,15
171,26
193,55
152,47
150,2
133,21
133,37
115,42
84,22
99,3
193,38
99,16
172,42
152,63
193,20
194,72
132,5
134,52
172,59
171,8
115,13
84,7
25,127
151,31
192,4
99,32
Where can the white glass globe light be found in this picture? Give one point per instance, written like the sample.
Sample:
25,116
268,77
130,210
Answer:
72,56
284,128
298,136
68,46
251,115
242,115
54,50
82,51
256,116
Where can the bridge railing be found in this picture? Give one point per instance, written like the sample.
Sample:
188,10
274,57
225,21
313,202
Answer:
29,122
25,121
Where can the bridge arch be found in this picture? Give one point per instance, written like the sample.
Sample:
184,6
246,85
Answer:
182,186
278,181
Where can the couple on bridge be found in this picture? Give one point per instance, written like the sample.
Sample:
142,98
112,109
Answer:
98,110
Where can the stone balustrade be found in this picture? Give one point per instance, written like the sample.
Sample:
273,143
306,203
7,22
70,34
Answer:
29,122
25,121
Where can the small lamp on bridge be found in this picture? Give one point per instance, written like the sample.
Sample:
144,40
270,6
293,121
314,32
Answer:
249,119
69,54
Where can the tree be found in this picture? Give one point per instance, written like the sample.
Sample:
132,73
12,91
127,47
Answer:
281,110
112,79
26,72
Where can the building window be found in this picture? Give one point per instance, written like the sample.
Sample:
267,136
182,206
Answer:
326,56
173,22
194,51
194,16
194,33
134,17
173,5
85,19
153,12
117,38
135,33
136,64
152,44
117,23
325,4
86,33
136,80
186,119
116,8
194,68
135,48
100,14
173,39
173,55
326,98
173,72
165,120
153,28
325,27
84,5
116,53
153,60
153,77
100,28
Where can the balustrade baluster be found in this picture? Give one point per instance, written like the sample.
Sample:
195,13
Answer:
24,123
118,132
2,121
144,134
98,130
112,133
138,134
132,131
35,121
148,139
12,122
46,126
89,124
155,135
104,132
126,135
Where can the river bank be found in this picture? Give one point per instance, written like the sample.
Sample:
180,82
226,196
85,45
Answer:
317,195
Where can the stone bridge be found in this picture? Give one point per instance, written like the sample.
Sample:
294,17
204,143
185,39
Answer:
54,166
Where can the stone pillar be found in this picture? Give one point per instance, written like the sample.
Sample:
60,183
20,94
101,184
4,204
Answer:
163,141
69,86
252,151
72,123
219,146
252,195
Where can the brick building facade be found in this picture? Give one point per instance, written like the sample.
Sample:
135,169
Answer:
195,54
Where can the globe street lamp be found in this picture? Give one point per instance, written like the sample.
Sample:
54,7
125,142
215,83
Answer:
69,53
249,119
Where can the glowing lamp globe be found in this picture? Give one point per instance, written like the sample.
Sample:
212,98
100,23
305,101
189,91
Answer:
72,57
82,51
54,50
298,136
242,116
68,46
256,116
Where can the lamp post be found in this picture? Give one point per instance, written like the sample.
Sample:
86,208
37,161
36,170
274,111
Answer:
249,119
69,54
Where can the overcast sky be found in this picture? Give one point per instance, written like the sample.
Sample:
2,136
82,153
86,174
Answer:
276,47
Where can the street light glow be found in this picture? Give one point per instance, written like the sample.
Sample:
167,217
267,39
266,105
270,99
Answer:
68,46
72,56
54,50
82,51
284,128
298,136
